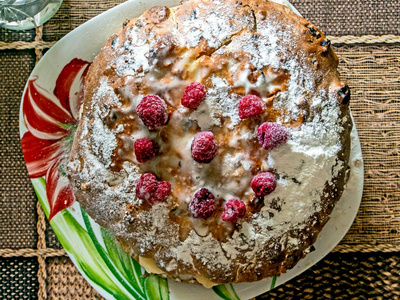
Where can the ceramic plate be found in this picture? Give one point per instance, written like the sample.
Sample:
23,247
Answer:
48,115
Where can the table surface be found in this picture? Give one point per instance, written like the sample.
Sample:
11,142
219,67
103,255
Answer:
365,265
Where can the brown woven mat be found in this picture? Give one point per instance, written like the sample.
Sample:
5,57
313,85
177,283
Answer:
28,245
17,198
9,36
335,277
72,14
352,17
373,74
335,17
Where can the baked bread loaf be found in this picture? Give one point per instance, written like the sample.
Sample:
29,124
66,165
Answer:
214,139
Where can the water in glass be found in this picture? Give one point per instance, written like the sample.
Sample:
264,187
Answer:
26,14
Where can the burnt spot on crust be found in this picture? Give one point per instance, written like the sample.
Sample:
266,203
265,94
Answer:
314,32
326,42
326,46
114,42
276,204
139,24
314,62
344,94
194,15
125,23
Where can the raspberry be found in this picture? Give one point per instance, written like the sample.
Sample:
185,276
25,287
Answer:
249,106
193,95
263,184
150,189
145,149
234,209
204,147
162,192
202,204
271,135
152,110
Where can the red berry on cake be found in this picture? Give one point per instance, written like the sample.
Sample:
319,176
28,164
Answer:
263,184
234,209
249,106
145,149
202,204
204,147
193,95
162,191
150,189
152,110
271,135
146,186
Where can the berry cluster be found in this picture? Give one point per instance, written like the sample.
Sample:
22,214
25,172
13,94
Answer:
152,110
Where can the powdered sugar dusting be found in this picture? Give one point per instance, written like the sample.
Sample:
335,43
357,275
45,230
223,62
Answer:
218,101
134,55
215,27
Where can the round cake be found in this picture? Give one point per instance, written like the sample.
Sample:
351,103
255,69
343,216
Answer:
213,139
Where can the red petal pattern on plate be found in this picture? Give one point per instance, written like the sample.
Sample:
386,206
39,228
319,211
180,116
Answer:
58,189
50,107
39,120
49,121
39,153
66,79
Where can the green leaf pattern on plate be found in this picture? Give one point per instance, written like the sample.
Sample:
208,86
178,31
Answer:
226,291
156,287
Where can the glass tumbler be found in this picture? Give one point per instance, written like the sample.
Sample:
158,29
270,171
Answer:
26,14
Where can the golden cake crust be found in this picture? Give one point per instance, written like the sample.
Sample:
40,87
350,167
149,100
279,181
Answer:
233,48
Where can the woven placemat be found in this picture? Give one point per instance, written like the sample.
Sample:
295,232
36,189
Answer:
73,13
335,17
18,278
352,17
343,276
17,198
335,277
373,73
9,36
28,245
